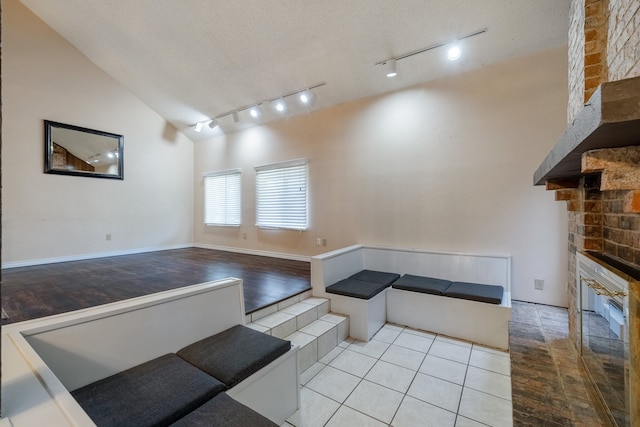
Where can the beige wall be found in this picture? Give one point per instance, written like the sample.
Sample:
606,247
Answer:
447,165
49,217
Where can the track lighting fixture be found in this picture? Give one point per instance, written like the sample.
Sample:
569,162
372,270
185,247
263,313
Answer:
280,105
453,53
391,68
306,96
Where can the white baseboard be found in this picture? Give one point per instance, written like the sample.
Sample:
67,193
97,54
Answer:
31,262
247,251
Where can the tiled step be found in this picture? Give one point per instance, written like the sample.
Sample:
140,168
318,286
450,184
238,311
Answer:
307,323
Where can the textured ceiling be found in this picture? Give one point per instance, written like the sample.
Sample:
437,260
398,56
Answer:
190,60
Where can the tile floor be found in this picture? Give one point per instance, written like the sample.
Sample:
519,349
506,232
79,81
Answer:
405,377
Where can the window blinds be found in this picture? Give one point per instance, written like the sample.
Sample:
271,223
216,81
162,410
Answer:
281,195
222,198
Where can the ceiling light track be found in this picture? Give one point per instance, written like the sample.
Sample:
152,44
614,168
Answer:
390,63
255,107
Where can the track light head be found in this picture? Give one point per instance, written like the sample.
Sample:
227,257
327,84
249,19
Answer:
254,112
391,68
236,119
197,127
307,97
213,123
280,105
454,52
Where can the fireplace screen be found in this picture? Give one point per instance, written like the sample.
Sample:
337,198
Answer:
604,335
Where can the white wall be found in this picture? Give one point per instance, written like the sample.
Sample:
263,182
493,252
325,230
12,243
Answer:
52,217
446,165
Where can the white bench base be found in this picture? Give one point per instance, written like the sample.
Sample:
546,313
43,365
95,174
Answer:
479,322
366,317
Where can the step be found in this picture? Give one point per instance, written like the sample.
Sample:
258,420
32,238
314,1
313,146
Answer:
308,324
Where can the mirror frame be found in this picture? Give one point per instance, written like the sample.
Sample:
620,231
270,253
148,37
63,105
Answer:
48,151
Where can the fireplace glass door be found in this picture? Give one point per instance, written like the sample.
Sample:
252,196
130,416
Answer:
605,349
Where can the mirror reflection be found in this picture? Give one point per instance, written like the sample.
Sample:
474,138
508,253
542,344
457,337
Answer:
73,150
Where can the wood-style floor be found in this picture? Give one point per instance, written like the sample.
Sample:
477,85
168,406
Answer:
43,290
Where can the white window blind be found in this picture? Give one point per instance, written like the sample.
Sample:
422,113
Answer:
222,198
281,195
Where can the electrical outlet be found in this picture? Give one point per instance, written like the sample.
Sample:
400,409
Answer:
539,284
318,242
324,242
108,236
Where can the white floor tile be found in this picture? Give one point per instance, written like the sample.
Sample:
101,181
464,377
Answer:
387,335
466,422
311,372
488,382
334,383
404,357
392,376
375,400
354,363
372,348
414,412
450,351
441,393
347,417
275,319
259,328
414,342
420,333
327,358
444,369
455,341
491,350
318,328
490,361
486,408
315,409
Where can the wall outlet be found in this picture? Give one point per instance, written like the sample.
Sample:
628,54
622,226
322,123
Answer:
318,242
539,284
108,236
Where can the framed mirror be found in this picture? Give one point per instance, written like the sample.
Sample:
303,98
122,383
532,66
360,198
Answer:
74,150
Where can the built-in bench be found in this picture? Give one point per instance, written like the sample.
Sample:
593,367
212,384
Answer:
461,295
164,390
158,344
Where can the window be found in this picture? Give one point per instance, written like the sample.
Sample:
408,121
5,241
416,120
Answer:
222,198
281,195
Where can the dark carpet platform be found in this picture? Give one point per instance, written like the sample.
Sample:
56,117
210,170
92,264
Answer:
169,388
364,285
234,354
223,411
491,294
158,392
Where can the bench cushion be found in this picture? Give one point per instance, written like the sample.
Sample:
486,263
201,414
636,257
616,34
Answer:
378,277
356,288
223,411
234,354
157,392
476,292
426,285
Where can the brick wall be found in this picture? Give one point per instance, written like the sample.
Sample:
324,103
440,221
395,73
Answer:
604,45
623,53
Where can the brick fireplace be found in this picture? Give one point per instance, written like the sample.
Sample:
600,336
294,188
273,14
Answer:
595,166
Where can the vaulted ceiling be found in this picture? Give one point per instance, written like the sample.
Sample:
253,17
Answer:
191,60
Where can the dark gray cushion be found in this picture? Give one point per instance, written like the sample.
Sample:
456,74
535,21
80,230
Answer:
234,354
158,392
223,411
476,292
425,285
372,276
356,288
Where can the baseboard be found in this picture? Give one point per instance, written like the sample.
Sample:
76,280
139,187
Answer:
246,251
31,262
